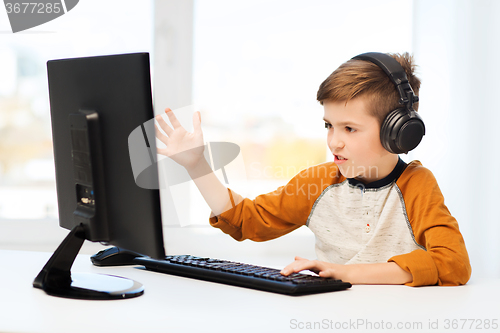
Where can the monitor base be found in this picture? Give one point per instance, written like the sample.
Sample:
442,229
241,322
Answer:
97,286
56,278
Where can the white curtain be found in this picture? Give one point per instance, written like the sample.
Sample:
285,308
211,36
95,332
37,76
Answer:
457,47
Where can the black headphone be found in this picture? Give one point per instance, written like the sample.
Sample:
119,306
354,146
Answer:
402,129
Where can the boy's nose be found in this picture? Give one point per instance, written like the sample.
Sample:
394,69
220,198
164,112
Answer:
336,143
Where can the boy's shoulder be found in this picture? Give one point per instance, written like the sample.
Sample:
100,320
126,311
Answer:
416,175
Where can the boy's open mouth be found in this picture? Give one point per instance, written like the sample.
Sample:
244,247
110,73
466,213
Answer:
339,159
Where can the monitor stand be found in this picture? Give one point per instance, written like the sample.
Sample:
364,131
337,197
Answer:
56,278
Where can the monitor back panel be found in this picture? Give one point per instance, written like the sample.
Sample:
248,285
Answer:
118,87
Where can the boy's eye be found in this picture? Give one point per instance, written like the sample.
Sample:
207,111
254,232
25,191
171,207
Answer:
350,129
328,126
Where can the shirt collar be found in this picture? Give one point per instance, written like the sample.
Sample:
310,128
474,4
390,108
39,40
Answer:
394,175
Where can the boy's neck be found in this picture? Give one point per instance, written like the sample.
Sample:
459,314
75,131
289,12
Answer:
384,169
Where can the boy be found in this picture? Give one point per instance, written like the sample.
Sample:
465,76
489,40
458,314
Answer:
377,220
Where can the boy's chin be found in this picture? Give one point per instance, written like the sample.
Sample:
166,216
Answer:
350,172
347,173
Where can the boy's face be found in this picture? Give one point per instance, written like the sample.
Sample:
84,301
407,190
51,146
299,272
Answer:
354,140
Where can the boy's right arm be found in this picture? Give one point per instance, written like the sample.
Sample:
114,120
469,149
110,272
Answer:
267,217
212,190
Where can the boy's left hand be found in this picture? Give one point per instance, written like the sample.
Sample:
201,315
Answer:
322,268
377,273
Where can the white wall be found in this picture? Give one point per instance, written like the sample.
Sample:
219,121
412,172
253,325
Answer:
456,46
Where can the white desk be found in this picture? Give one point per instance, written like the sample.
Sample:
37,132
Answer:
175,304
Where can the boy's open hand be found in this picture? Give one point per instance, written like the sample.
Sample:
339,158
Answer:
182,146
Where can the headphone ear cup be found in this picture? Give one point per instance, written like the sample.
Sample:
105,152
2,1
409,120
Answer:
401,131
386,131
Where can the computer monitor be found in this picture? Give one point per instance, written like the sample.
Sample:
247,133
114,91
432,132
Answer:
95,103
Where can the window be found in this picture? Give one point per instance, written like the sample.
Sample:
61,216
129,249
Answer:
28,202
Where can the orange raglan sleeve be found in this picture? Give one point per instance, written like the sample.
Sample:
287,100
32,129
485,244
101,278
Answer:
445,260
274,214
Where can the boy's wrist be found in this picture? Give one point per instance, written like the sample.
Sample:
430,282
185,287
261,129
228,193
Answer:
199,169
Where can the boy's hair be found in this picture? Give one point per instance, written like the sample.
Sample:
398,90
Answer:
356,78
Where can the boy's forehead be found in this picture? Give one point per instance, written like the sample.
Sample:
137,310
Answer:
352,112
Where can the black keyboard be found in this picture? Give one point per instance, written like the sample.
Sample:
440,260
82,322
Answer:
242,275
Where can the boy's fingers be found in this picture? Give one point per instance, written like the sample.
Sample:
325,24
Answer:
301,264
163,138
297,266
197,121
326,274
162,151
173,118
288,269
163,124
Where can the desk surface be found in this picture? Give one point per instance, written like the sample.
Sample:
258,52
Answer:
175,304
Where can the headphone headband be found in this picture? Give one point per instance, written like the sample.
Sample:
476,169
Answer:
395,72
